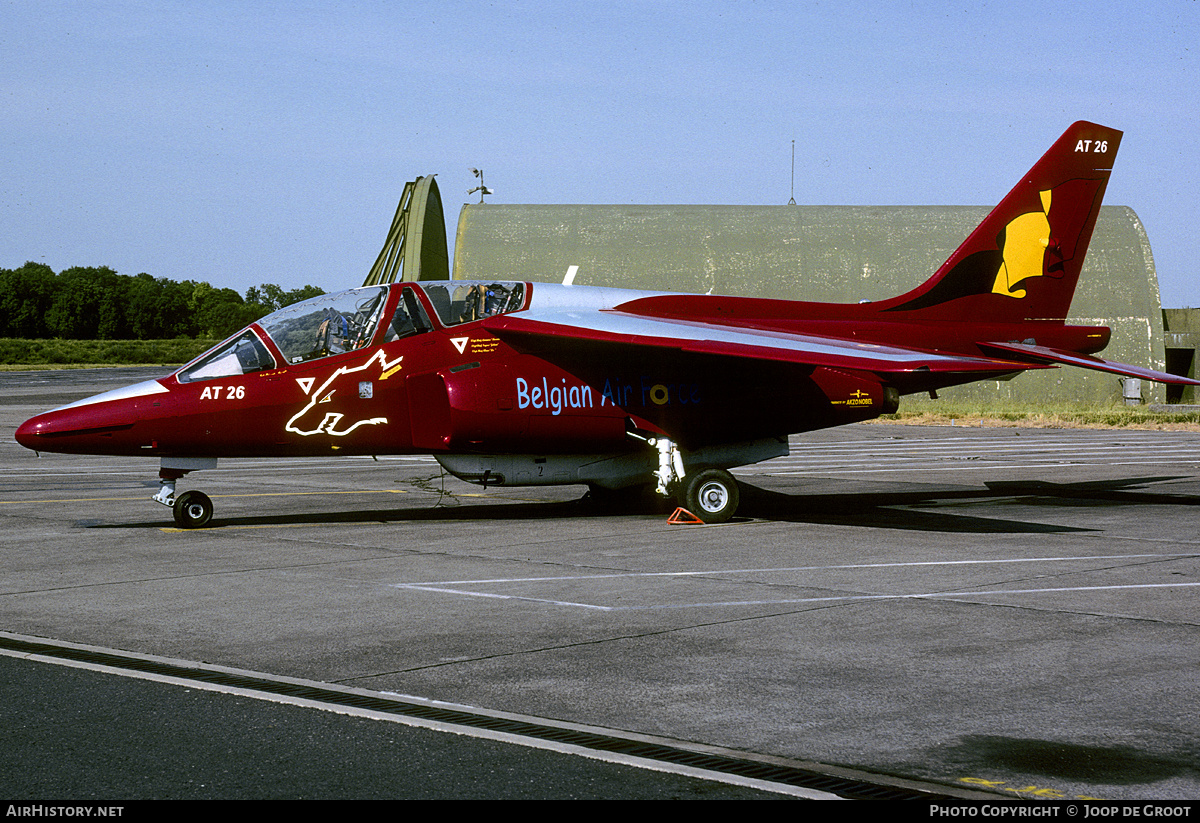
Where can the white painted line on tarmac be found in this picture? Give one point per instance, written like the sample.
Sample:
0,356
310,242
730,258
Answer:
917,596
495,596
455,587
799,601
701,573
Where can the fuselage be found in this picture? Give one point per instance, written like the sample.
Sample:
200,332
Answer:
413,368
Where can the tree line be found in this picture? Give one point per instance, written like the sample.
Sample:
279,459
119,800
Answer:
96,303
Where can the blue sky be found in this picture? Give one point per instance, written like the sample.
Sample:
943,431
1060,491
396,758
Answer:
250,142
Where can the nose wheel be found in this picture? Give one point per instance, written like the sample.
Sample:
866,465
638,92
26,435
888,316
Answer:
192,510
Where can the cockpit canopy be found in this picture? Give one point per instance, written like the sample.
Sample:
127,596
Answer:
349,320
325,325
461,301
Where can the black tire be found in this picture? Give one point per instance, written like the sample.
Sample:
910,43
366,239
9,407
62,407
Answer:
192,510
712,495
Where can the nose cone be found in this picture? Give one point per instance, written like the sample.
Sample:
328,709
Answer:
93,430
97,425
27,432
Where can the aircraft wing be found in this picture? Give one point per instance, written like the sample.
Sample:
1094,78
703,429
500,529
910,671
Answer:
574,329
1044,354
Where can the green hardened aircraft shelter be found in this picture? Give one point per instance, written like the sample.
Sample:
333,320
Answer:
839,254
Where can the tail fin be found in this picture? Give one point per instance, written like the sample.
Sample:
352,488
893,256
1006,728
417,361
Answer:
1023,260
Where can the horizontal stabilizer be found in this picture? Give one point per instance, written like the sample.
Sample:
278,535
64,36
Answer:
1043,354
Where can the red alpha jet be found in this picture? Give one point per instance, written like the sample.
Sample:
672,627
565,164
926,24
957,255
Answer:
511,383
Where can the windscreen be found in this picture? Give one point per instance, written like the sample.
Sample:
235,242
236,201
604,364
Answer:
241,355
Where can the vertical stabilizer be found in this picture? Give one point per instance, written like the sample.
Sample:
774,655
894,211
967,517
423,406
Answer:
1023,261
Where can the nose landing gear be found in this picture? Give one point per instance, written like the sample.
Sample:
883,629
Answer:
192,509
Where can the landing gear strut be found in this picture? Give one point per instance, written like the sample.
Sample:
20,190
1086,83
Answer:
192,509
710,494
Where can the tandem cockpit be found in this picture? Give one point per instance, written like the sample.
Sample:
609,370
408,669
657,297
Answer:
354,319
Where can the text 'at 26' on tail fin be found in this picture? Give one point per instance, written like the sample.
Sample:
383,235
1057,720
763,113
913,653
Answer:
1023,261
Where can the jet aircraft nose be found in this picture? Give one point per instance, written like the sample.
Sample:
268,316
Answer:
76,430
27,432
91,426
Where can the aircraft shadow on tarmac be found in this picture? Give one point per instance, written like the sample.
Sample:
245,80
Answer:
913,510
1116,764
900,509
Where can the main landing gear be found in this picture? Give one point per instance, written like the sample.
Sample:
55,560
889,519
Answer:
710,494
192,509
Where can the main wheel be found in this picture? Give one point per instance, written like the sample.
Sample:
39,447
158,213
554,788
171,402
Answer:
192,510
711,495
